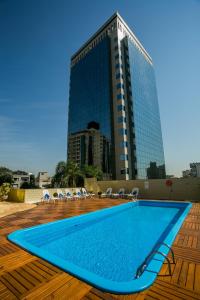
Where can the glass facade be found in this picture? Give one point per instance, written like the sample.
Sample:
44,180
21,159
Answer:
145,127
90,101
114,120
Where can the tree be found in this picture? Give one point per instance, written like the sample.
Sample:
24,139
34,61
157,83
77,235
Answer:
5,188
73,172
5,175
66,174
29,185
92,171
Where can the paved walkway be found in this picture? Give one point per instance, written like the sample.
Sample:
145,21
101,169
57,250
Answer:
7,208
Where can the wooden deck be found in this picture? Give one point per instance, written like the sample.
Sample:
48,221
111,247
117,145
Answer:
24,276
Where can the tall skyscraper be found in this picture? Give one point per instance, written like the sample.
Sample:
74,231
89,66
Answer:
114,119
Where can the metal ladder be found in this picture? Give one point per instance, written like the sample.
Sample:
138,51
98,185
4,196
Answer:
143,266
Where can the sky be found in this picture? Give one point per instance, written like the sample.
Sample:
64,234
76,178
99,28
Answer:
37,39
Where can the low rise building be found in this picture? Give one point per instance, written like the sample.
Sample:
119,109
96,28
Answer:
20,179
193,172
186,173
43,179
90,147
195,169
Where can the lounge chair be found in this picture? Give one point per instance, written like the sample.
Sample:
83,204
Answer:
78,194
120,194
68,194
61,195
47,197
108,193
86,194
134,193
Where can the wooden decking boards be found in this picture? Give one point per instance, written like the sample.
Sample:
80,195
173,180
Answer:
24,276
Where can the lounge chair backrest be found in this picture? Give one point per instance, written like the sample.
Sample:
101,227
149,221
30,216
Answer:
84,192
46,194
68,192
60,193
109,191
121,191
78,192
135,191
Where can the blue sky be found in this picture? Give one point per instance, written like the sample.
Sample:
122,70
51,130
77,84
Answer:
37,40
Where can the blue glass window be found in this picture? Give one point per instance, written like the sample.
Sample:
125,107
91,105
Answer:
117,66
120,85
120,107
123,144
120,96
123,157
118,75
150,161
90,99
116,56
122,131
121,119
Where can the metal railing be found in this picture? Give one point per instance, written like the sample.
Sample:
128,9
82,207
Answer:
143,266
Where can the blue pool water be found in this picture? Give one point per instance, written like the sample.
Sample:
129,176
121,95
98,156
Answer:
110,244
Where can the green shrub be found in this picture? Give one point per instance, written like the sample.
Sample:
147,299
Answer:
5,188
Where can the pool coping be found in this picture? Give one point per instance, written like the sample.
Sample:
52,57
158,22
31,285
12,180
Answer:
136,285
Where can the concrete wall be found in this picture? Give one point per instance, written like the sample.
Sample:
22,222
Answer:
30,195
35,195
16,195
182,189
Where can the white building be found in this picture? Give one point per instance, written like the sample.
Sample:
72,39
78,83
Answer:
43,179
195,169
20,179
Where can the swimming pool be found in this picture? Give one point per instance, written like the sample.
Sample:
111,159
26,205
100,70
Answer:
106,248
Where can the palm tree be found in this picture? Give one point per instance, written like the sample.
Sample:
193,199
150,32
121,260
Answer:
66,173
73,172
92,171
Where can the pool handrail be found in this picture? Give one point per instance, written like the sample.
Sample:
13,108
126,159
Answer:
144,265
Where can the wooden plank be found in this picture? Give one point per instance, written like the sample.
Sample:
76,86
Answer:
183,274
177,290
27,268
14,260
156,295
47,288
197,279
76,290
13,285
40,271
22,280
34,280
102,295
44,268
190,242
5,293
194,243
177,271
190,277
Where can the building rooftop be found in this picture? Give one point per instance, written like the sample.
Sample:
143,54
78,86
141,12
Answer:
106,24
24,276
